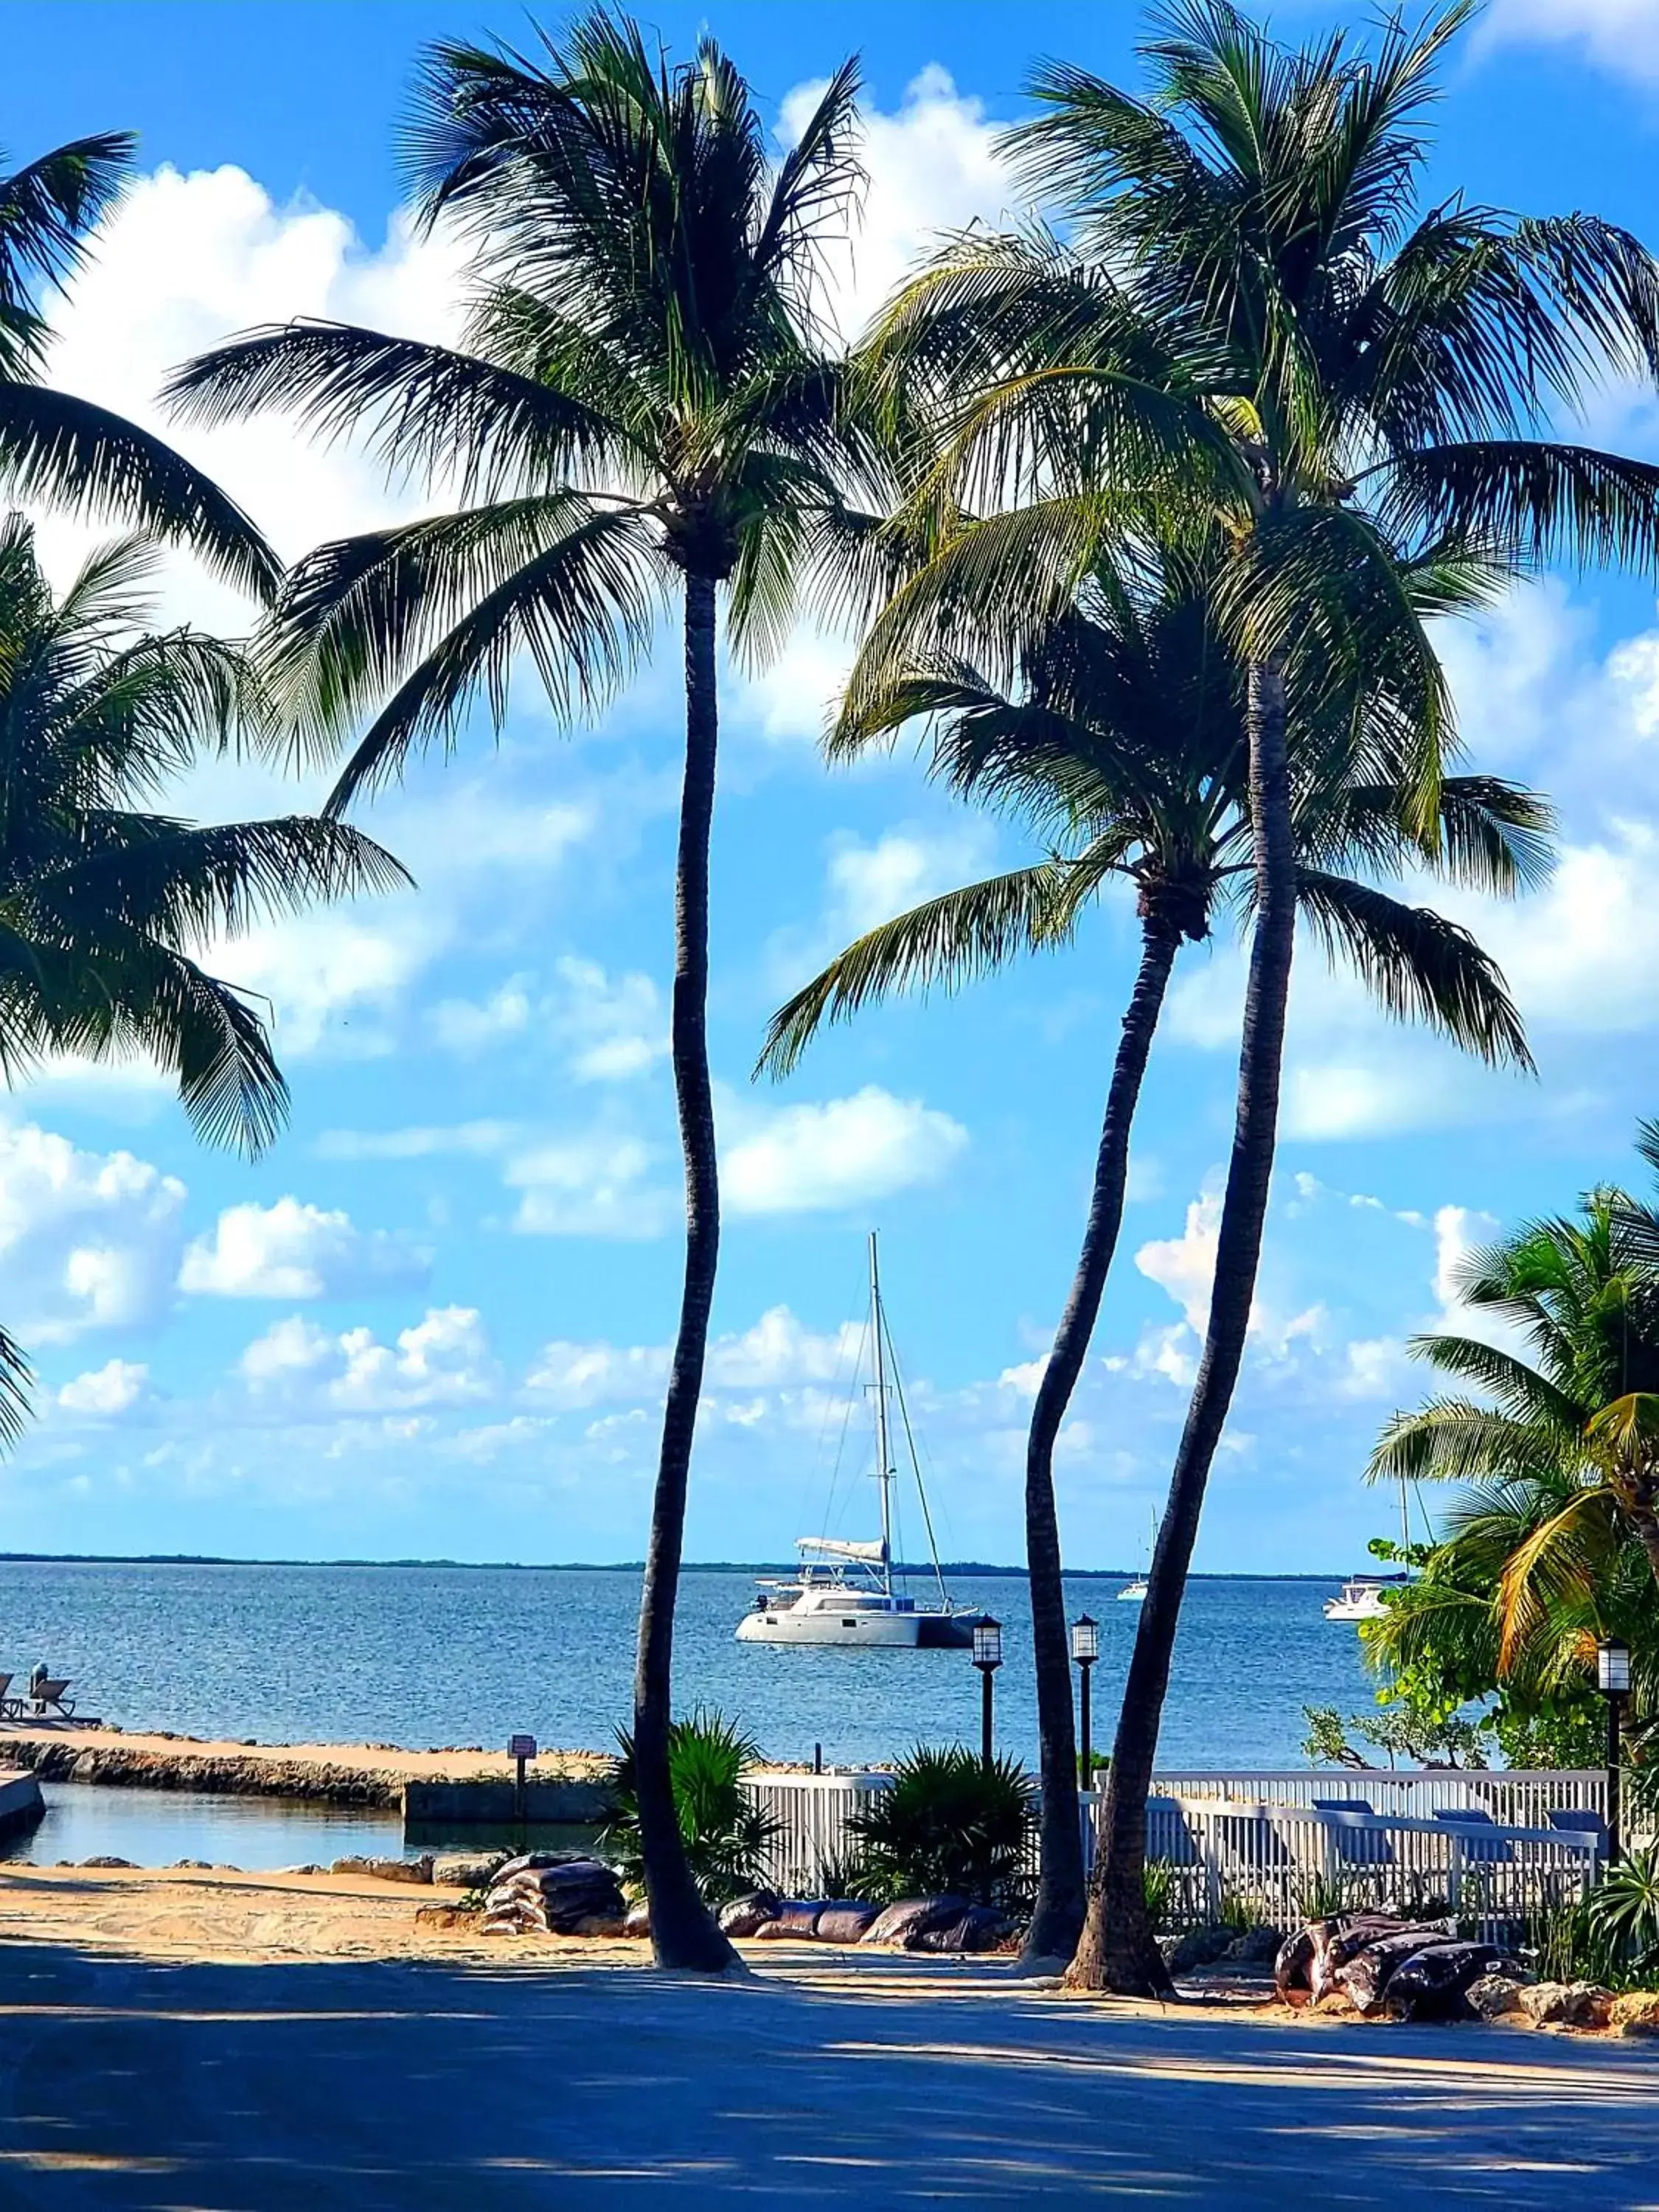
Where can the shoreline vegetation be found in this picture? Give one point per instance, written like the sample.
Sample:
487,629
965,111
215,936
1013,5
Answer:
982,1567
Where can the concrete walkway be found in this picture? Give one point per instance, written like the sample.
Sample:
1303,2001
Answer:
134,2086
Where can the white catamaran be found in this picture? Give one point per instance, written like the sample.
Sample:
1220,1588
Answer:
843,1594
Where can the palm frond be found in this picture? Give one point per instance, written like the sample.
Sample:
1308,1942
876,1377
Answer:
946,941
64,451
1418,964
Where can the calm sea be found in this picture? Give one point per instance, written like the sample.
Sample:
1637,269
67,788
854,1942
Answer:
423,1657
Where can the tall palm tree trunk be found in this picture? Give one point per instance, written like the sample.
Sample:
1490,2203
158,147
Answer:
1118,1951
682,1931
1057,1921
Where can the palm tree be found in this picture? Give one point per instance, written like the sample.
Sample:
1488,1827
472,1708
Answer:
60,449
646,402
1251,319
1576,1427
1126,748
1455,1633
104,902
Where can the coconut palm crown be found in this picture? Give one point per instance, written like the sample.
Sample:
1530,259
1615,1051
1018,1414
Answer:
105,901
1251,318
644,404
1575,1424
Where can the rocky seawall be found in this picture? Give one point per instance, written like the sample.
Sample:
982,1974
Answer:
215,1774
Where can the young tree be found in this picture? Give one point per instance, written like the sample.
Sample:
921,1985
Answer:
105,901
647,402
1124,749
1252,317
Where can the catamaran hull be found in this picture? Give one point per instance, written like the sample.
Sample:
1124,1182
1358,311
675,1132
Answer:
852,1632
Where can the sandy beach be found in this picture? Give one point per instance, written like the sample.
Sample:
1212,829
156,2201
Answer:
245,2043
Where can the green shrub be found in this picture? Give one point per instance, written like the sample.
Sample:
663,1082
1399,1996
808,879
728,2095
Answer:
1623,1912
728,1837
949,1825
1158,1881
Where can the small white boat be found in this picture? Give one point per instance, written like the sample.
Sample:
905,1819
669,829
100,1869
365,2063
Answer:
1131,1593
842,1595
1363,1597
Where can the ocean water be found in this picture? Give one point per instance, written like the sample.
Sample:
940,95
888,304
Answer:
422,1657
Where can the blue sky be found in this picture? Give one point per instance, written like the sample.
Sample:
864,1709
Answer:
433,1320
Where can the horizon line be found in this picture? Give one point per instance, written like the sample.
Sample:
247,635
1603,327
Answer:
613,1566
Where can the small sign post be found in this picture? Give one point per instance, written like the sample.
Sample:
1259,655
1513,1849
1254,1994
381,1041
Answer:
520,1749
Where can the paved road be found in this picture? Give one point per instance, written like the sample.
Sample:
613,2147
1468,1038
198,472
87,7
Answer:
134,2086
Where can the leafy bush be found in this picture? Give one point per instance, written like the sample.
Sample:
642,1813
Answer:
727,1836
949,1825
1623,1911
1158,1881
846,1875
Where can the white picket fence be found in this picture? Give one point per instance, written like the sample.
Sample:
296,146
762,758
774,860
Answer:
1278,1845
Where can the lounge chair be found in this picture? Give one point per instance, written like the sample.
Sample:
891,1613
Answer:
47,1700
1250,1839
1487,1850
1168,1835
1355,1845
1583,1821
11,1708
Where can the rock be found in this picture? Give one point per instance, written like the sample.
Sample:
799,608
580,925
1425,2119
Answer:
637,1919
1636,2013
1567,2004
107,1859
205,1866
746,1915
1493,1996
1199,1946
464,1872
377,1869
310,1867
601,1924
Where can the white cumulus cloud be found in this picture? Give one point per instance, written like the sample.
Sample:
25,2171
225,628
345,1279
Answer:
291,1250
87,1240
840,1151
105,1393
444,1359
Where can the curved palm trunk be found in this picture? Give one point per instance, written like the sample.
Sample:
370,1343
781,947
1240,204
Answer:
1057,1921
682,1931
1118,1951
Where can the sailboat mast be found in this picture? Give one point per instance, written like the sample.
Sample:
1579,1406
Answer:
884,1445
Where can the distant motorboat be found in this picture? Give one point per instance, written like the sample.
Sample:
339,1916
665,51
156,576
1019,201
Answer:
1363,1597
842,1595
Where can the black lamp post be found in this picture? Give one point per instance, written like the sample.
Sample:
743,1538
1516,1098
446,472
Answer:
1613,1681
1085,1649
987,1657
